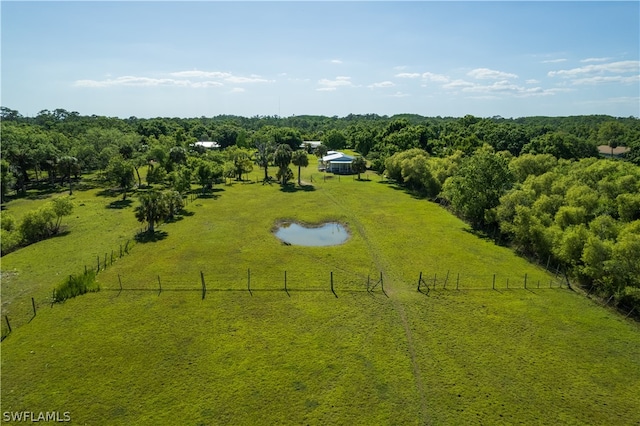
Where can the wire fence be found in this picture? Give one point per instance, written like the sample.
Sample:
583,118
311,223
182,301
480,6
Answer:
333,283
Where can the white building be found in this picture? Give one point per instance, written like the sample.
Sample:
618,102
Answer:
336,162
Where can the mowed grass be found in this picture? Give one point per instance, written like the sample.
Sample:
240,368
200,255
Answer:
468,356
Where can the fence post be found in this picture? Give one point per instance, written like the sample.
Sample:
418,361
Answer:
204,287
494,282
120,282
105,261
332,291
419,280
368,280
434,280
33,303
6,318
249,280
285,281
159,286
458,281
98,270
446,279
382,283
507,283
525,281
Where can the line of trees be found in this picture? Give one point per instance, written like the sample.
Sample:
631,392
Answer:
535,182
581,214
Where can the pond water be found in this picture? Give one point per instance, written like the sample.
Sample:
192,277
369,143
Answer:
328,234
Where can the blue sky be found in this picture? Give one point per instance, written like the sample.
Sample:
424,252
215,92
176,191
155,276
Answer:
191,59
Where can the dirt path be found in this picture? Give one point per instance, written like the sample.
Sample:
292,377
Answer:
390,278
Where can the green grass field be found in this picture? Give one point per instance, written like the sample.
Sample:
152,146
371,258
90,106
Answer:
467,356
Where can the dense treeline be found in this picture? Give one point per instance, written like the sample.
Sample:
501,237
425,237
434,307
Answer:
535,182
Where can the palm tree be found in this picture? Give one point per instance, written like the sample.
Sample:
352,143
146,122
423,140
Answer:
300,159
282,158
262,157
359,165
152,209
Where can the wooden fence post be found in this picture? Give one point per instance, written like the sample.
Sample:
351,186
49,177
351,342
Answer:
525,281
332,290
159,286
494,282
419,280
6,318
33,303
120,282
446,279
204,287
249,280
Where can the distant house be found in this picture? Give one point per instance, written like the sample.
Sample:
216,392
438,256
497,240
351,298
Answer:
336,162
310,145
605,151
207,144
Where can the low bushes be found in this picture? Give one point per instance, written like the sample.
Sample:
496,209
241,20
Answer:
76,285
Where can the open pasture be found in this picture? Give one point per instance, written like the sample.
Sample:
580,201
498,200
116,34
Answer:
474,355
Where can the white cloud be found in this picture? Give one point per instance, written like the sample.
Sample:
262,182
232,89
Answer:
612,67
554,61
193,79
458,84
330,85
408,75
129,80
486,73
532,81
595,60
497,89
381,84
607,79
253,79
438,78
200,74
336,61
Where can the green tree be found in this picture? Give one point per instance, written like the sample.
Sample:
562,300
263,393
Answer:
120,172
611,133
263,156
334,140
152,209
241,160
477,185
37,225
359,165
180,179
7,180
321,150
62,206
67,166
299,158
282,159
174,202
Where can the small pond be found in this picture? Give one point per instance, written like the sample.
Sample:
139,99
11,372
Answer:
328,234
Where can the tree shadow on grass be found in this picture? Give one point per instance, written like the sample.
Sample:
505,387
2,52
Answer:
293,188
119,204
109,192
208,196
151,237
